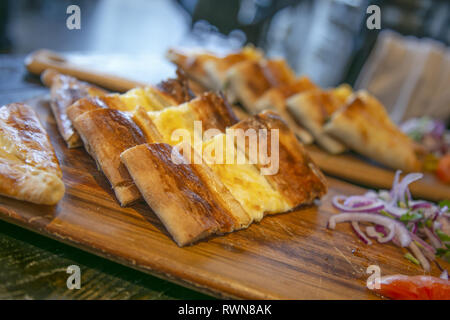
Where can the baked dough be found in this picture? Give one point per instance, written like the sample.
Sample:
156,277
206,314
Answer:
298,178
364,126
106,133
313,108
29,169
187,198
208,69
64,91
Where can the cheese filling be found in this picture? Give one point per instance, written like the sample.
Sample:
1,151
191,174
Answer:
244,181
176,124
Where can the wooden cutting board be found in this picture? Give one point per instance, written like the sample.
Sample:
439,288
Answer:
286,256
353,168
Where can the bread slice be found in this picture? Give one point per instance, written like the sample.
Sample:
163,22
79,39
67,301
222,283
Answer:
188,199
313,108
247,81
364,126
106,133
275,99
64,91
209,69
298,179
210,109
29,169
243,180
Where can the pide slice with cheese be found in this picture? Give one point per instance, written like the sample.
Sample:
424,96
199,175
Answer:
286,166
364,126
190,201
210,109
29,169
313,108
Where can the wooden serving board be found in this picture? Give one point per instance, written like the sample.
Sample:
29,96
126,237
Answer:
352,168
286,256
345,166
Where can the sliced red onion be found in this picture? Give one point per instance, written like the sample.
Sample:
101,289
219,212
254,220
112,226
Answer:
371,194
360,233
381,229
444,275
419,204
375,206
399,230
400,189
395,211
435,241
419,256
371,232
423,243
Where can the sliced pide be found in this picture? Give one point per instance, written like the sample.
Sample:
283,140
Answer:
290,171
29,169
188,199
243,179
106,133
364,126
312,109
64,91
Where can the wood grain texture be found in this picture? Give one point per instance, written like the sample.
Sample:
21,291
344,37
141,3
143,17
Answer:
287,256
355,169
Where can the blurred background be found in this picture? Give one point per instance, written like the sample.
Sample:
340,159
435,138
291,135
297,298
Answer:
325,39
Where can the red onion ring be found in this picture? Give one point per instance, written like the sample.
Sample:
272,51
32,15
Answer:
360,233
399,230
374,207
371,231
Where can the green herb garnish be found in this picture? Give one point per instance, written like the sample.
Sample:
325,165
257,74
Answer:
385,213
411,258
443,236
411,216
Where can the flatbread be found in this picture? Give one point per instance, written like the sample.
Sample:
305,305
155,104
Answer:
29,169
364,126
64,91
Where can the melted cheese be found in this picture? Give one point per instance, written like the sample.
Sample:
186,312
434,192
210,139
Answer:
172,118
138,97
244,181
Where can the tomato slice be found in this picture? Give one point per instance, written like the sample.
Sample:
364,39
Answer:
443,168
400,287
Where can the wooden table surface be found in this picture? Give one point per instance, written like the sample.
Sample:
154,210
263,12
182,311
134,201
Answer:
34,267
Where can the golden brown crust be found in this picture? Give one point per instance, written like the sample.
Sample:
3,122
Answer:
175,91
64,91
23,135
106,133
298,179
247,81
146,124
86,104
29,169
208,69
192,63
174,191
312,109
214,111
364,125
